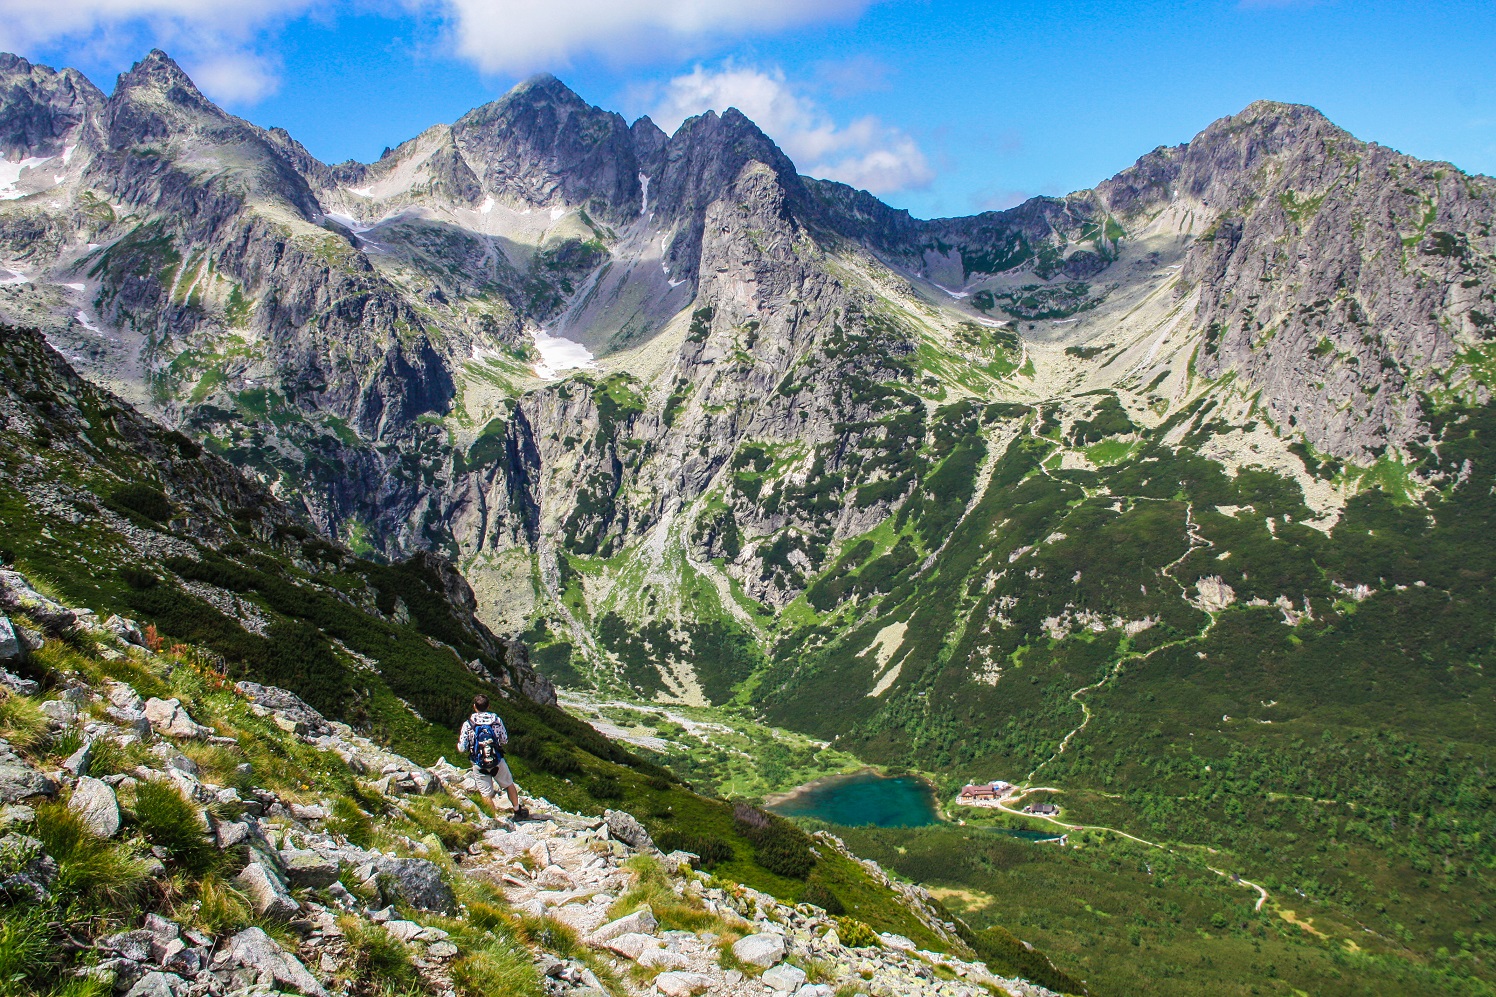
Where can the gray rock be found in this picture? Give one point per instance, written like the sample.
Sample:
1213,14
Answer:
230,833
416,881
95,804
60,710
12,647
157,984
17,595
678,984
17,685
308,869
266,891
125,697
255,950
625,828
784,978
126,630
134,721
132,945
283,704
77,762
168,717
763,949
19,781
641,921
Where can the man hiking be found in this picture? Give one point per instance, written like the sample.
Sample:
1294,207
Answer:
483,738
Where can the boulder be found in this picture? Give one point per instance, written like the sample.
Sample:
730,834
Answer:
132,945
641,921
19,781
627,830
124,696
509,843
157,984
77,762
12,647
60,710
231,833
405,931
898,942
784,978
659,957
307,868
18,596
417,882
17,685
632,944
257,951
283,704
133,721
168,717
764,949
266,892
126,630
676,984
96,806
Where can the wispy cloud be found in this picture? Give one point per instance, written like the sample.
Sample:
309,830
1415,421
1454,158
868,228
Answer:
515,36
865,152
228,44
220,42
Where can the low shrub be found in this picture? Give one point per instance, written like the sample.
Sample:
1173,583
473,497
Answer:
141,498
711,850
778,845
605,787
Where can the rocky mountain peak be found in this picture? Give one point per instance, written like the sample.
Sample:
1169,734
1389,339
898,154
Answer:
541,143
48,106
160,73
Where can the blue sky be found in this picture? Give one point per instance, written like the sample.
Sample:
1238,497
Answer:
940,106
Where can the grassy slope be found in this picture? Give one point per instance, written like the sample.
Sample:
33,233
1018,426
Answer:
1353,768
326,638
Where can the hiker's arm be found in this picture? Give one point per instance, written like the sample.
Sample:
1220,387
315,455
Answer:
503,733
462,737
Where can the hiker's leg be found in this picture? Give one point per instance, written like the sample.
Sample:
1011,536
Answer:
505,779
485,790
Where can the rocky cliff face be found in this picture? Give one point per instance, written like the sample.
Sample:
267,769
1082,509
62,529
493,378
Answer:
776,357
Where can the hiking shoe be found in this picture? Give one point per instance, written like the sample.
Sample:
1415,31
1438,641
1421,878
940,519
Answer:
521,813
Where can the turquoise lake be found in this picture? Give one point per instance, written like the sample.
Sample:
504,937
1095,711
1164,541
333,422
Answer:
865,798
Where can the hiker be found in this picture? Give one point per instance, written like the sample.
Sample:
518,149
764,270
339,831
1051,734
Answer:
483,738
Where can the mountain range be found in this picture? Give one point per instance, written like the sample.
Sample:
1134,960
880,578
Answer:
1172,496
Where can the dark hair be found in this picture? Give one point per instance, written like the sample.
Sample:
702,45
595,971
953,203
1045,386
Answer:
480,703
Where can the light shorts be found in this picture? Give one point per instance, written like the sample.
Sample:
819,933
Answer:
486,782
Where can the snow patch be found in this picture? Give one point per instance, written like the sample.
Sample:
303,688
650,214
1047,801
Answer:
557,214
487,206
362,191
10,175
557,354
83,321
76,287
16,277
644,182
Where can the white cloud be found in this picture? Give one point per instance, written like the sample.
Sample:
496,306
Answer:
216,40
516,36
236,77
864,153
